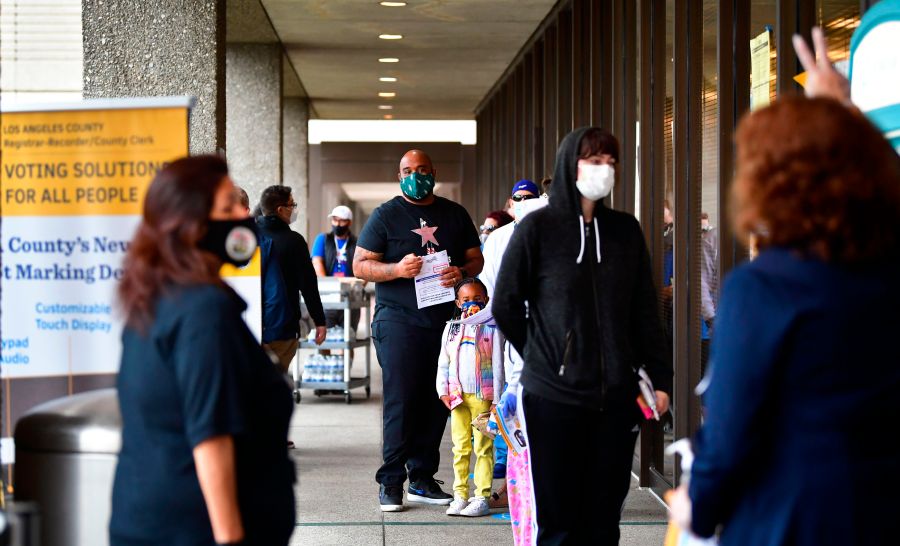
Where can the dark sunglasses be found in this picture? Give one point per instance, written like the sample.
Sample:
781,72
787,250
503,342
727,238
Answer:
487,228
518,198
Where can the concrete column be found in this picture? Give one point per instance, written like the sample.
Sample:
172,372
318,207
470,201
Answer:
316,182
295,150
135,48
253,115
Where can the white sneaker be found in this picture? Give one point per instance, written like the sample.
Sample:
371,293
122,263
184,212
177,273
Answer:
458,505
478,506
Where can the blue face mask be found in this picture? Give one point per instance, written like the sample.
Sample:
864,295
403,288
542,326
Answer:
417,186
470,308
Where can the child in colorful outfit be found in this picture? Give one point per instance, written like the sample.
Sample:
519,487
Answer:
469,382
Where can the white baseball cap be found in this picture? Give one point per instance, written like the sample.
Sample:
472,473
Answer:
341,213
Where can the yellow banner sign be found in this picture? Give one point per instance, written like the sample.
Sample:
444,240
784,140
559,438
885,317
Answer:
86,162
252,269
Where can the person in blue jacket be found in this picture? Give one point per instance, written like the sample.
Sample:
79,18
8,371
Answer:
205,412
797,446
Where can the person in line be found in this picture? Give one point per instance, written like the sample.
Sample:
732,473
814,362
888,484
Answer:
494,219
667,292
469,383
287,272
591,322
523,201
805,360
709,285
332,256
523,190
242,206
205,415
545,187
516,492
408,339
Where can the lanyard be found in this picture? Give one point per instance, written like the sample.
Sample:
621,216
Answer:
341,252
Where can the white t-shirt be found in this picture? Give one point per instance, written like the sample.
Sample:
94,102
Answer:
494,249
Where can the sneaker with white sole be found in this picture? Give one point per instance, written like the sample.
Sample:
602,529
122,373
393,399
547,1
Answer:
391,498
428,492
457,506
478,506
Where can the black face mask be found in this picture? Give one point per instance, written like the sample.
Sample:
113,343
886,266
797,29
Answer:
233,241
340,231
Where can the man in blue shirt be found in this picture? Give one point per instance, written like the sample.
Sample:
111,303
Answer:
332,256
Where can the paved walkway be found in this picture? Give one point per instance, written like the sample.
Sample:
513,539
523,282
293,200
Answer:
338,452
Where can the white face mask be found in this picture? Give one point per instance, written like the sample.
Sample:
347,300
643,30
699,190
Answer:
519,209
294,214
595,181
484,237
522,209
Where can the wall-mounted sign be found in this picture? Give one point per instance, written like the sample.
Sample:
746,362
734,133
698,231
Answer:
761,70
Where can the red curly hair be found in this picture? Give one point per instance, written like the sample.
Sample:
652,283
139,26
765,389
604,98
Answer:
817,177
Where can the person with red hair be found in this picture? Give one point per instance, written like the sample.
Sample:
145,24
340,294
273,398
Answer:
494,220
805,366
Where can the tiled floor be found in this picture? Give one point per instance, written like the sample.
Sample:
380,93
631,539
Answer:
338,452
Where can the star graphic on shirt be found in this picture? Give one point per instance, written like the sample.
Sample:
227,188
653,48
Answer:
427,233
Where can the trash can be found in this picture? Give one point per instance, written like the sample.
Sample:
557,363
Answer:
66,452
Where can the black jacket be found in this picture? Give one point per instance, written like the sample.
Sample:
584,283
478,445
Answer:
592,316
291,253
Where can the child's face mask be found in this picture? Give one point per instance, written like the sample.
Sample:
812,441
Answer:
470,308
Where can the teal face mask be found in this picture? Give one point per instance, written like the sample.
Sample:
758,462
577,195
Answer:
417,186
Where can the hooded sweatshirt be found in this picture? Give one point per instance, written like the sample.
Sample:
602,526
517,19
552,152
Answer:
493,251
592,317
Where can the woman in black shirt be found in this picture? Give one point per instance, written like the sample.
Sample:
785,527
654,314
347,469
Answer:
204,411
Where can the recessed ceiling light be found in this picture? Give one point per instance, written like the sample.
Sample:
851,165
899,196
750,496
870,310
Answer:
393,4
385,107
387,94
391,36
388,116
387,79
389,60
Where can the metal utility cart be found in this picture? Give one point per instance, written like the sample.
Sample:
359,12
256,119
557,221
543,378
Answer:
347,295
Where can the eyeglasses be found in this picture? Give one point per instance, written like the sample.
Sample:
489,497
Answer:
487,228
290,206
518,198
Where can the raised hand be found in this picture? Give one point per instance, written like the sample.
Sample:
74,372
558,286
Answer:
822,80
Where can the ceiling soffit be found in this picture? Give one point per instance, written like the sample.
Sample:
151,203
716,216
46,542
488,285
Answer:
451,53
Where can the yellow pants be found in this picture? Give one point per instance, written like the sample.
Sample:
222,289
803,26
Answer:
462,432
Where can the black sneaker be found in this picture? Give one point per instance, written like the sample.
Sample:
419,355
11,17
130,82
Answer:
391,498
428,492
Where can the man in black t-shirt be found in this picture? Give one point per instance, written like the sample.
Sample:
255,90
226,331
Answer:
408,339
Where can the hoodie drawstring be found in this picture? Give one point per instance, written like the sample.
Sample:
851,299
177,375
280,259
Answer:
581,229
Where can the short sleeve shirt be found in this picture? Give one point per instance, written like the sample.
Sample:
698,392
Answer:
340,262
195,374
398,228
